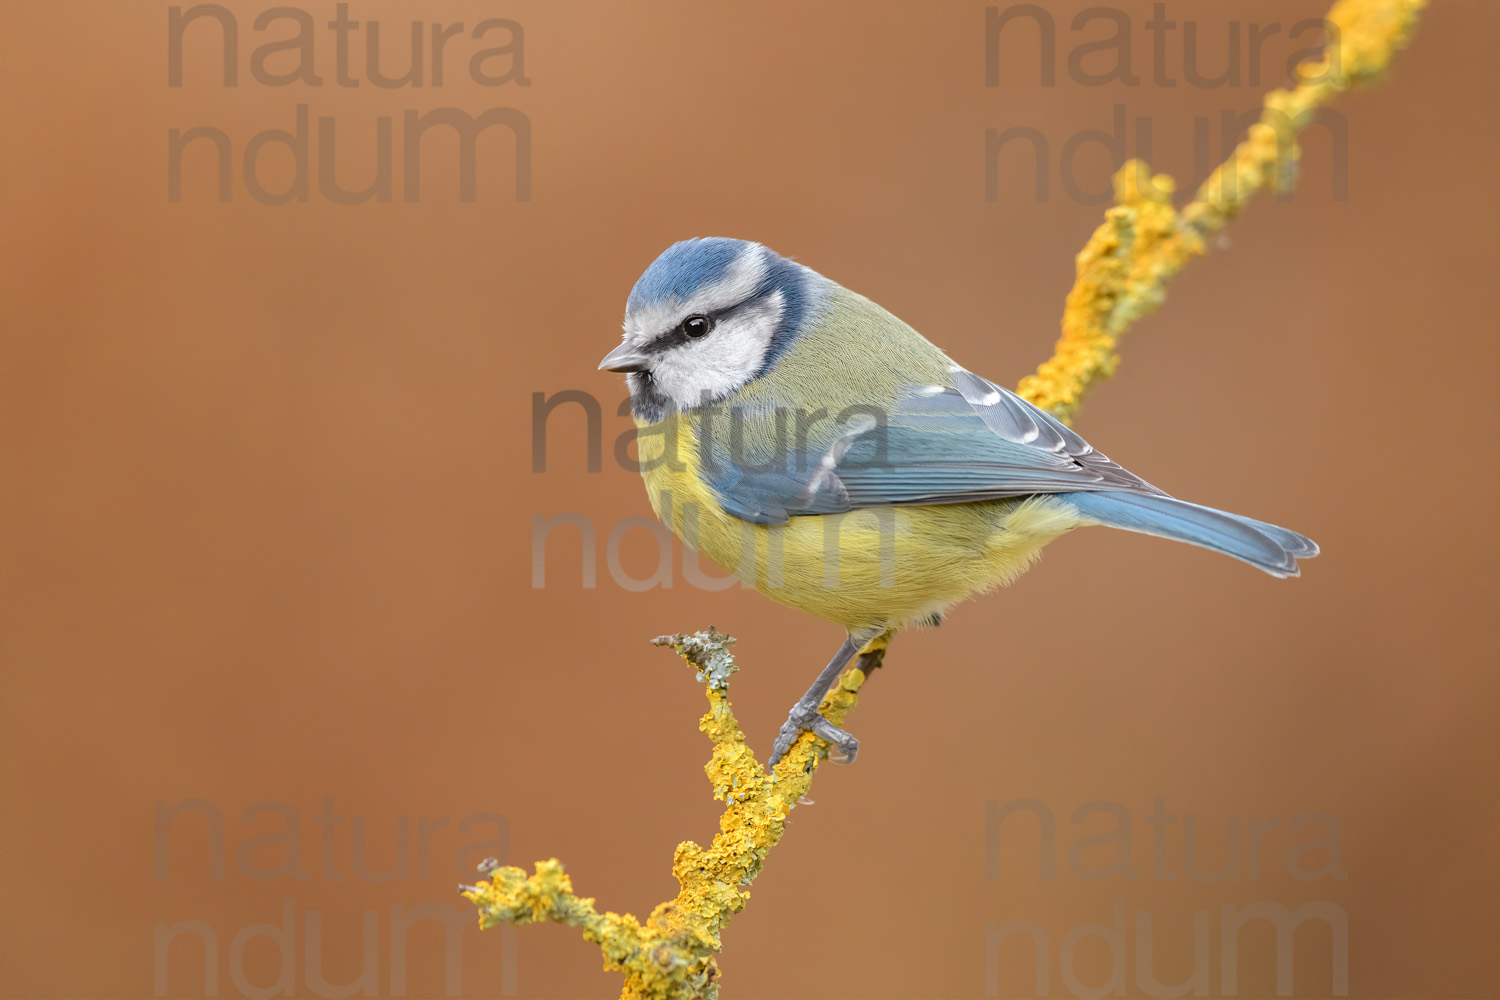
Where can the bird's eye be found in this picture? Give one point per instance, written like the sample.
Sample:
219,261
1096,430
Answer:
697,326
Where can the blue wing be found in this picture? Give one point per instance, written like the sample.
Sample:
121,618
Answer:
973,441
969,441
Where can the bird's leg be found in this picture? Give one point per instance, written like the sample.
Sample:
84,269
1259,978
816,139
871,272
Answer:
804,716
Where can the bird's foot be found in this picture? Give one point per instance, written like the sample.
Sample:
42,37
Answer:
804,720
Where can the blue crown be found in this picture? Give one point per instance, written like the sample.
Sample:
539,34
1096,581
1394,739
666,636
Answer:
684,268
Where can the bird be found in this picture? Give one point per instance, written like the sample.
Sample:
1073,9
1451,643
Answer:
826,453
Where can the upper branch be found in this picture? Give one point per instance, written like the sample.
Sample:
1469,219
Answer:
1123,271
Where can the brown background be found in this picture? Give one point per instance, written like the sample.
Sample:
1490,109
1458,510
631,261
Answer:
267,506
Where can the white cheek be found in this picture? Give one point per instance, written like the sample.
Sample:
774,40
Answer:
710,369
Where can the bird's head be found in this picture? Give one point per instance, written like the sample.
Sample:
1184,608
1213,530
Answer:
707,317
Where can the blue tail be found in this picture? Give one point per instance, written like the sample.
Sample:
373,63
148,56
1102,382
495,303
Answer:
1264,546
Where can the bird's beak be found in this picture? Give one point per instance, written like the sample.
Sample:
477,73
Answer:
625,358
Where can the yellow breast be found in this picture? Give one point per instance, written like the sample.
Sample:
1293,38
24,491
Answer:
878,567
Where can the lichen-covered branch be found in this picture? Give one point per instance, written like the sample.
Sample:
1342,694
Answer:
1122,274
1142,244
672,954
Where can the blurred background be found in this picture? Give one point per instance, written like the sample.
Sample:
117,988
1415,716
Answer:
285,653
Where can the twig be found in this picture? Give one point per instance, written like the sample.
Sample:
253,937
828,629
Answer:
1142,244
671,954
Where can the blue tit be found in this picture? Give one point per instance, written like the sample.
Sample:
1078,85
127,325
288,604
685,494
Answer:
825,452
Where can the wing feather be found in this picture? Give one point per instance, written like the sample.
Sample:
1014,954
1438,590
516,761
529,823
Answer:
969,441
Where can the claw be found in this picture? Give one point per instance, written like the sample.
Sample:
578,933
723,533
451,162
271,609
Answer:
847,745
804,716
799,722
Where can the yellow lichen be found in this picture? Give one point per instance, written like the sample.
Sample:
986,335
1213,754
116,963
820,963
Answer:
671,955
1123,271
1121,276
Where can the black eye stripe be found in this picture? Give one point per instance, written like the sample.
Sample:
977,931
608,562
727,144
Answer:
676,337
